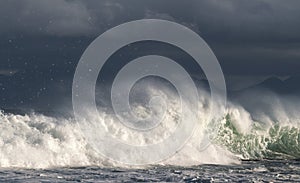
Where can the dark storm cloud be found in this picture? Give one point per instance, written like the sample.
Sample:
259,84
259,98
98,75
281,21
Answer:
55,17
227,19
242,33
254,25
44,39
259,20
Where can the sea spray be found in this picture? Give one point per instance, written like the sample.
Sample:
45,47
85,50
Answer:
39,141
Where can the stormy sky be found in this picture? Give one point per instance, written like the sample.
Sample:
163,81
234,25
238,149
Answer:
41,41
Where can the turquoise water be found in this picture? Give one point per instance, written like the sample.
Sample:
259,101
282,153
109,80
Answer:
273,142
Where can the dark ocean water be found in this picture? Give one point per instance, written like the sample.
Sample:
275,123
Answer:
247,171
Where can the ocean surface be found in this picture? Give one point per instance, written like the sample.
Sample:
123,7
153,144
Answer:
247,171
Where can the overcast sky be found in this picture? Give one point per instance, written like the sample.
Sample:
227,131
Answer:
41,41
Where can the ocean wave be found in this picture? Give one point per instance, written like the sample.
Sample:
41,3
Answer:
276,141
39,141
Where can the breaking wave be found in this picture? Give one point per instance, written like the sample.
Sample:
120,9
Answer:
260,142
39,141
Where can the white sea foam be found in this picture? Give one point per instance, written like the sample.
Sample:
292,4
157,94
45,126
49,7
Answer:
39,141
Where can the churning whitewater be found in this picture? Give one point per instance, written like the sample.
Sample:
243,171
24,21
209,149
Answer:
39,141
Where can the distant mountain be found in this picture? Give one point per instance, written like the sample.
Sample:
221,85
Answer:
288,86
